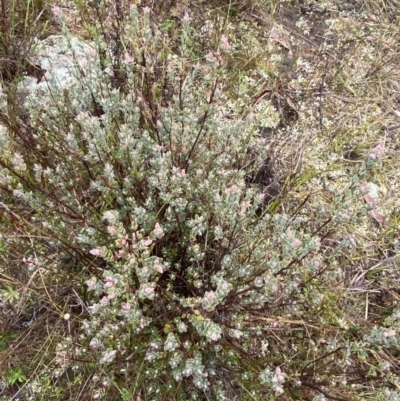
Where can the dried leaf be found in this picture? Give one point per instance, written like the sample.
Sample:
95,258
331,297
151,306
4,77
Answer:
260,96
281,37
378,217
370,201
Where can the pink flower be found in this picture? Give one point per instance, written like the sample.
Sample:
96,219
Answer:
110,216
111,230
56,11
95,252
158,266
149,290
186,17
234,189
296,243
224,43
109,356
110,281
128,58
377,151
210,295
179,173
90,52
91,283
147,242
365,187
158,231
84,63
279,375
211,57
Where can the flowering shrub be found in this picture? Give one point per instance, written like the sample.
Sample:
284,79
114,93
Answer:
142,183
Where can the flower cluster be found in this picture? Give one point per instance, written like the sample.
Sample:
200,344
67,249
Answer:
275,378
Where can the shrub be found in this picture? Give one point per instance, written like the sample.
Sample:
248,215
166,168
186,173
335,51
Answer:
137,191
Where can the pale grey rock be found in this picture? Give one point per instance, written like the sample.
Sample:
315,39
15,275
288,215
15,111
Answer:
64,58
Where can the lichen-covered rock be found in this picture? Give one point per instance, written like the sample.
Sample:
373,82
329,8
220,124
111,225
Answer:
57,61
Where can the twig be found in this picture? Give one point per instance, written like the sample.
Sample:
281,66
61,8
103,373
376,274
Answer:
356,280
326,394
203,121
321,91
